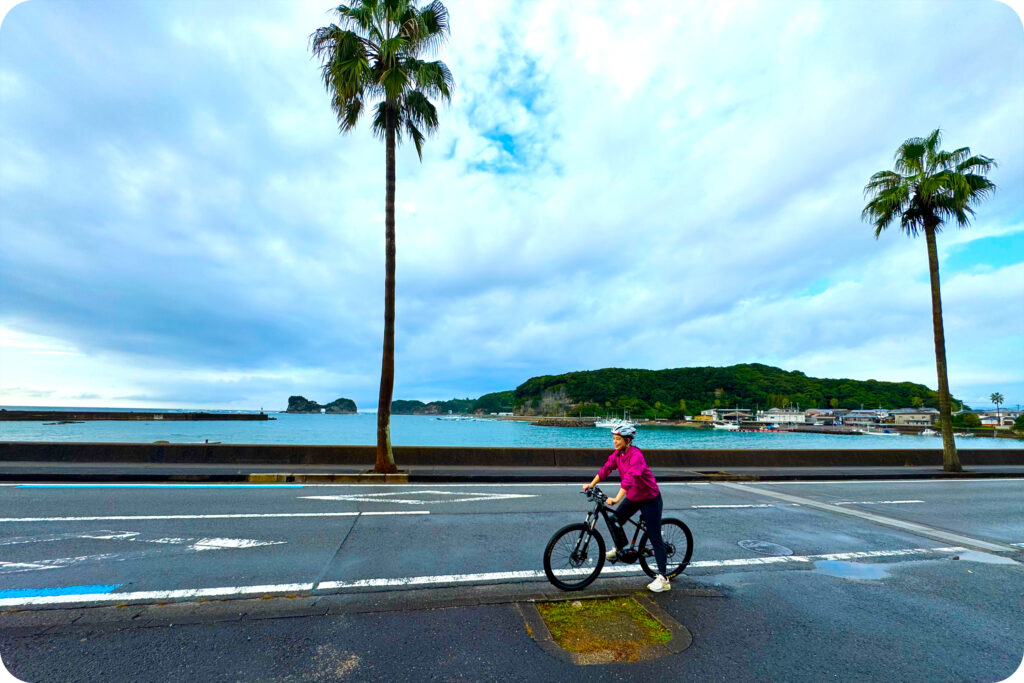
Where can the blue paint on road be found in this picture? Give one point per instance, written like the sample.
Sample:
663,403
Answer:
63,590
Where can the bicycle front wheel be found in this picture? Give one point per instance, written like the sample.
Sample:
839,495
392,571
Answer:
574,557
678,548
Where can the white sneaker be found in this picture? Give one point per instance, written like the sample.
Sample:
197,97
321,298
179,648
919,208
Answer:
659,585
611,555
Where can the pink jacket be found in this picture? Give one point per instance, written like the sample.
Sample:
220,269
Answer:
636,475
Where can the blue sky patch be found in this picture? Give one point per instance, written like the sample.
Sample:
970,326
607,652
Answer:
995,252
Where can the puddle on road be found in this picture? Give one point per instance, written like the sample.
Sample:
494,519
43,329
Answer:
986,558
851,570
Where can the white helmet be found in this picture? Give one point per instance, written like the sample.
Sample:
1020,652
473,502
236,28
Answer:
627,431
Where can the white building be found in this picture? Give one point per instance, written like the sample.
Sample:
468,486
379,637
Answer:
864,418
1001,419
919,417
782,416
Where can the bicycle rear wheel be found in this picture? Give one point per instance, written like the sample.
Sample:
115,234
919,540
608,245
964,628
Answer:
678,548
574,557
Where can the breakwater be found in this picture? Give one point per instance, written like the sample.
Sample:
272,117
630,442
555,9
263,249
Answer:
149,416
564,421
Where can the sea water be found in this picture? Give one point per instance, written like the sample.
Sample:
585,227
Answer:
425,430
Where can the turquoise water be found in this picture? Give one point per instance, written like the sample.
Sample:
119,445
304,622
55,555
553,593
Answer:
421,430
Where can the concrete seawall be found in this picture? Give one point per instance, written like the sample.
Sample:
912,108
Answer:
123,416
285,454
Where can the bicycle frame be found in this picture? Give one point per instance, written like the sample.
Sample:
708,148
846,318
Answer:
601,510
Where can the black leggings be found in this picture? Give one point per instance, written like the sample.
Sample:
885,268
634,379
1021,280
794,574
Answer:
650,512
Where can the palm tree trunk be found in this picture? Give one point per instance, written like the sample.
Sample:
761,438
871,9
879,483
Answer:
385,457
950,460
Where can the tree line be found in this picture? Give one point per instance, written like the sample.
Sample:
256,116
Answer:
677,392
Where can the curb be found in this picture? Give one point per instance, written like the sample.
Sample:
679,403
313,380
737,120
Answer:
360,478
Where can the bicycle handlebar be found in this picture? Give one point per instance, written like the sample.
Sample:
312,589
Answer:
594,493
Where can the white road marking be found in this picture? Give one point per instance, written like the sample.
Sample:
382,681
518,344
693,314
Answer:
10,567
495,577
106,485
396,512
161,595
771,505
712,507
918,529
879,502
190,545
446,485
986,480
130,518
387,497
95,535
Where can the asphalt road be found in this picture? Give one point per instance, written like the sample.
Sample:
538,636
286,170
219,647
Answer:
919,580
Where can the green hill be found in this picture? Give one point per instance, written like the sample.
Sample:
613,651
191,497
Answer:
675,392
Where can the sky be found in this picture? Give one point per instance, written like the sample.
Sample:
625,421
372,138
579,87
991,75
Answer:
630,184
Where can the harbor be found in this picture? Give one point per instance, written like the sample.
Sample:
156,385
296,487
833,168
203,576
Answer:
425,430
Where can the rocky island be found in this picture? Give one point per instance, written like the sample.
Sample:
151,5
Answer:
341,406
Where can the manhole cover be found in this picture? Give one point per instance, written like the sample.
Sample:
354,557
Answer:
765,548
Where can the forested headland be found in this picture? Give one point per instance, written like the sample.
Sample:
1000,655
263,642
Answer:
675,393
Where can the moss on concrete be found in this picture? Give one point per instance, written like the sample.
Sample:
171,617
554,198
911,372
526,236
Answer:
611,629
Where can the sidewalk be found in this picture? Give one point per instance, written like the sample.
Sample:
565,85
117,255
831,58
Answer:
171,472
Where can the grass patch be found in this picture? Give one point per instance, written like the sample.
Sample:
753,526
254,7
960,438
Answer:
614,628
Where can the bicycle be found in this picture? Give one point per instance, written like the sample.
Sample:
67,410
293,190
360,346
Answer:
569,553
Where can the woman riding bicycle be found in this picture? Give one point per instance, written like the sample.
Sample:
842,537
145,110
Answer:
640,492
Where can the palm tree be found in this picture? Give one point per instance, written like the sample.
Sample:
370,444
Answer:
929,187
371,59
996,399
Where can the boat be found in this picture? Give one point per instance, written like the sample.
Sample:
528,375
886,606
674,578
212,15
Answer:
613,422
929,432
963,434
878,432
728,426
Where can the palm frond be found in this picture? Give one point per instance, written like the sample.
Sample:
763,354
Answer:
886,204
946,160
418,109
433,78
394,80
882,180
976,164
380,121
416,136
347,111
434,18
362,16
909,158
980,187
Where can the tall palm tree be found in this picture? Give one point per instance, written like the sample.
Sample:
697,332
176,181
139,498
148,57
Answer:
928,187
371,58
997,399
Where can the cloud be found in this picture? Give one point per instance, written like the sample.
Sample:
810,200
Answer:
648,187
